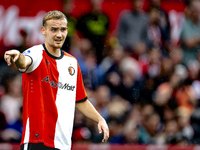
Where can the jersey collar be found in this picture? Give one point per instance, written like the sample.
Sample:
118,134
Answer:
54,57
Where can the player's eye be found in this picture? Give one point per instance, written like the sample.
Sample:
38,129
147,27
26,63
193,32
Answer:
53,29
63,29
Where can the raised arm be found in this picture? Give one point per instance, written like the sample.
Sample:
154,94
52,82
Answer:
87,109
20,60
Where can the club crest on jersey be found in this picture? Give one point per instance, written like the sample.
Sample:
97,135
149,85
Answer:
71,71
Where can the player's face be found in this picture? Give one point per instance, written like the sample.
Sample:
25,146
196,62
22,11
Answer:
55,32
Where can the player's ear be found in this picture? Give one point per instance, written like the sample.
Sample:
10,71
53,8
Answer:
42,29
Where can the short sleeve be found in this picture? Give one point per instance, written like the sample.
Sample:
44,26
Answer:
80,89
35,53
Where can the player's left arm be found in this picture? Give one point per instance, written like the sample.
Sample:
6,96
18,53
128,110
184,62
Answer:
88,110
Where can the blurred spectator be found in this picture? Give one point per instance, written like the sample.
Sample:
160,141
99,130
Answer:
68,6
183,119
124,75
165,94
190,36
114,55
162,22
193,67
95,26
133,26
149,128
131,76
169,133
131,133
147,89
165,90
153,30
153,61
166,69
111,66
176,55
140,54
186,97
169,113
11,106
118,109
194,76
145,110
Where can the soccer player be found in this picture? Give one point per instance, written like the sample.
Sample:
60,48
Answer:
52,88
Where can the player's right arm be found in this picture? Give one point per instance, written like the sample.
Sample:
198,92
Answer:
20,60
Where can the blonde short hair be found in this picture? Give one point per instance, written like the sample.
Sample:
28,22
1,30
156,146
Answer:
51,15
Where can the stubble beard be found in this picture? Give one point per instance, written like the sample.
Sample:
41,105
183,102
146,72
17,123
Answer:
55,45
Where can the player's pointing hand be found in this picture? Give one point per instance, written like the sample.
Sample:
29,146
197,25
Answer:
11,56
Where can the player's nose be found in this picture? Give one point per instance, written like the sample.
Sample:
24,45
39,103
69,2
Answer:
59,34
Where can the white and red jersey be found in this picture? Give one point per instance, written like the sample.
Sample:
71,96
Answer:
51,87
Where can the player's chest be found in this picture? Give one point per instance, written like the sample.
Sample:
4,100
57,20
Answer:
62,70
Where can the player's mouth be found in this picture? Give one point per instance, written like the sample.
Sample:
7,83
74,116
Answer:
58,41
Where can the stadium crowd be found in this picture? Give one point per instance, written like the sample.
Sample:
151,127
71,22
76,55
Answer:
146,87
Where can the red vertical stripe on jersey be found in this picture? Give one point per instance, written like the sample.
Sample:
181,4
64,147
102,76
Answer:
80,90
41,103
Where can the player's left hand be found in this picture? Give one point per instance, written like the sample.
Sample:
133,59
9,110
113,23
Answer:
102,125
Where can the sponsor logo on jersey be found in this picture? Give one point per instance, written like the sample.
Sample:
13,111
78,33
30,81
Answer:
71,71
60,85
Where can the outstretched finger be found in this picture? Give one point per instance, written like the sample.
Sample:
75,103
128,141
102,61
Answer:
8,59
11,56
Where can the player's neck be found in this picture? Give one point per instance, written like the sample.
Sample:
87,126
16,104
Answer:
53,51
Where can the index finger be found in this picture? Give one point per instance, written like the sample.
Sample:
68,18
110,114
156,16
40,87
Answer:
8,59
9,56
